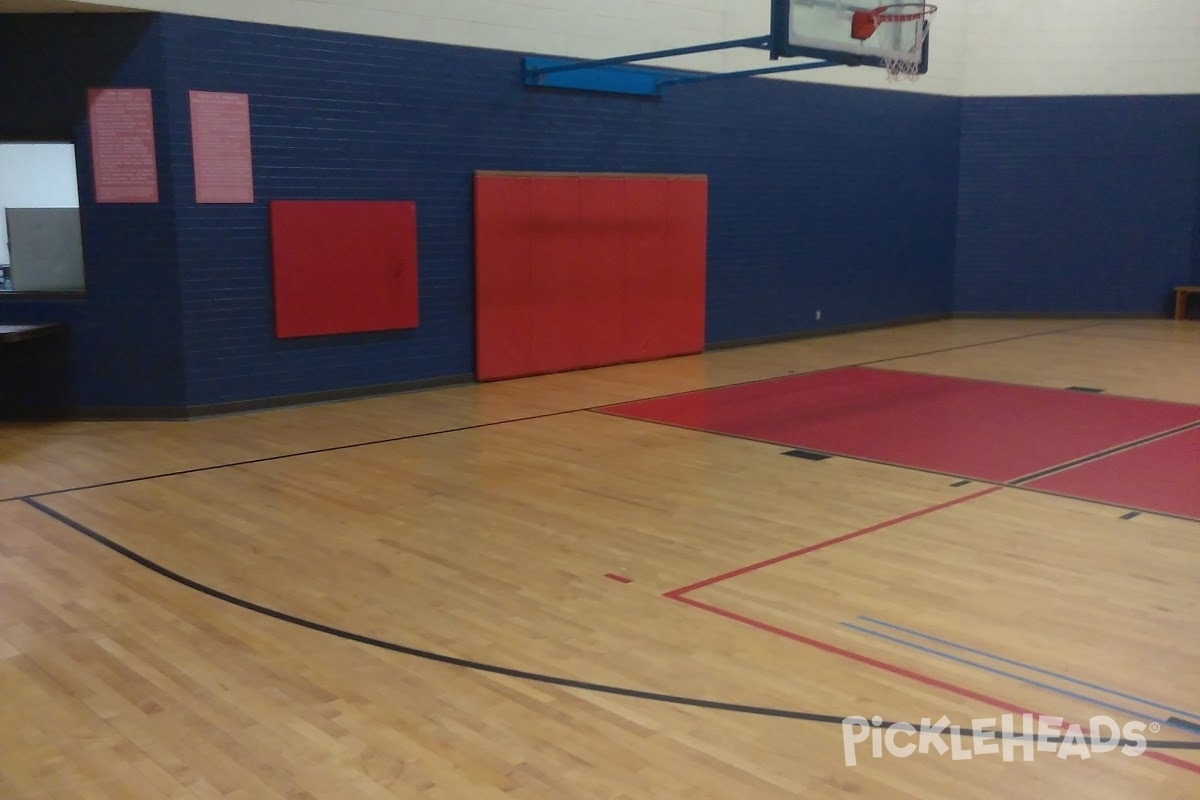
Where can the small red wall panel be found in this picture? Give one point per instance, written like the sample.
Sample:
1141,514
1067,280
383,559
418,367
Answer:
586,270
343,266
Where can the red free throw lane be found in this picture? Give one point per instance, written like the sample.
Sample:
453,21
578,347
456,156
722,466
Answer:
1162,476
978,429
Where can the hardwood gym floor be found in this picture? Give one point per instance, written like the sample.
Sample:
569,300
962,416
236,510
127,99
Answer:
507,591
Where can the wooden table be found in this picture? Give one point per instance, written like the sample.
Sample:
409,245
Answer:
10,334
1181,299
13,354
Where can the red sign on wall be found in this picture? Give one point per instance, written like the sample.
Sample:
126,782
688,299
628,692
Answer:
221,147
123,154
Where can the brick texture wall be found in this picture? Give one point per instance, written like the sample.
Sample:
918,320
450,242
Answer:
1077,204
823,198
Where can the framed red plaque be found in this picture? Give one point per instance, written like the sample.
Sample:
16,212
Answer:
124,161
221,147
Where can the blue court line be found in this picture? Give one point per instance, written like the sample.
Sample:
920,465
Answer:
1031,668
1100,703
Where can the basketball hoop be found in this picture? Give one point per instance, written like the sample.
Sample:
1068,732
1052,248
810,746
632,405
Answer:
907,25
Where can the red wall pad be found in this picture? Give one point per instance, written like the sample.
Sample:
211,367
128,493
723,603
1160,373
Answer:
343,266
504,324
584,270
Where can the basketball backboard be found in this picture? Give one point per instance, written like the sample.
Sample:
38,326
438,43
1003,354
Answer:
857,34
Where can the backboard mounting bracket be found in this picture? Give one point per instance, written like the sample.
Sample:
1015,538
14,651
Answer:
619,75
822,33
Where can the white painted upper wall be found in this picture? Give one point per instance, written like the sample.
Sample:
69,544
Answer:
577,28
978,47
1081,47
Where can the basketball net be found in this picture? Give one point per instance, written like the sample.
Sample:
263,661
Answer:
904,65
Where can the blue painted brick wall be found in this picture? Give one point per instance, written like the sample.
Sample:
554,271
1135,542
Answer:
125,337
851,201
1077,204
821,197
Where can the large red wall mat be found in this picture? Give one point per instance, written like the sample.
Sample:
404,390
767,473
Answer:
575,271
343,266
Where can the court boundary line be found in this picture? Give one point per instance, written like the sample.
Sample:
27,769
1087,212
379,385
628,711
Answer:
675,594
819,370
1136,338
679,595
460,429
282,456
1152,746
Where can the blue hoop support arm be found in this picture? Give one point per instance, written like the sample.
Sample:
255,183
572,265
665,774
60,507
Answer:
619,75
717,76
760,42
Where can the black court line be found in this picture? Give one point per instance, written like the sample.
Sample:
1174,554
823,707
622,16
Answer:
439,432
792,373
984,344
1138,337
1016,484
791,447
265,459
1154,437
569,683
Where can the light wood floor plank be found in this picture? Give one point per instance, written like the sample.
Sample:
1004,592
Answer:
492,544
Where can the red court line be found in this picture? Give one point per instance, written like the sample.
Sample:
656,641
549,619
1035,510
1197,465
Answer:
853,656
907,673
676,594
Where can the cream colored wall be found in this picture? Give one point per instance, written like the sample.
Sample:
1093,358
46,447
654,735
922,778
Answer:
1081,47
577,28
978,47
